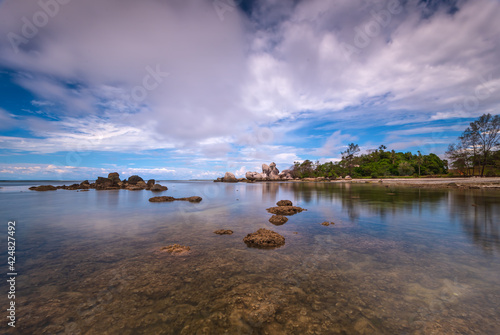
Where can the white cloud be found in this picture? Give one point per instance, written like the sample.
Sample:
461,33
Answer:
231,83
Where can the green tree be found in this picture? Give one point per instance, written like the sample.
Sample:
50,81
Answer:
420,161
405,169
484,134
393,157
349,155
460,158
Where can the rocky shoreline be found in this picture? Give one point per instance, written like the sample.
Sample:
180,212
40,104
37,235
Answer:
112,182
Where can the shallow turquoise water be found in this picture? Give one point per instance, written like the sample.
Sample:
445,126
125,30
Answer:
397,260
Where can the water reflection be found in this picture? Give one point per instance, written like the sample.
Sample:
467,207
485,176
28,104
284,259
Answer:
477,211
397,261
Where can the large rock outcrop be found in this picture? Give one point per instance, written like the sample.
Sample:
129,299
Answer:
151,183
134,179
103,183
229,178
115,178
251,175
269,172
286,175
266,169
274,170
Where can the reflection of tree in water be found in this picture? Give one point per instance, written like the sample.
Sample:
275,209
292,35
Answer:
479,222
478,213
376,200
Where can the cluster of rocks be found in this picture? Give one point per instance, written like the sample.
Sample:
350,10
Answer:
265,238
284,207
262,238
112,182
269,173
133,183
229,178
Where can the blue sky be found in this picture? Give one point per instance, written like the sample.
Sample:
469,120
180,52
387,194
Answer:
191,89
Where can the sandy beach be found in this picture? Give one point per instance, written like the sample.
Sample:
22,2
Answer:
474,183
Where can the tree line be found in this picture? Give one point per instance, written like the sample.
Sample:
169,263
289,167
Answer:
375,164
477,152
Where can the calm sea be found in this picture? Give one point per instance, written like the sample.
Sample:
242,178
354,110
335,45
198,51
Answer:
396,261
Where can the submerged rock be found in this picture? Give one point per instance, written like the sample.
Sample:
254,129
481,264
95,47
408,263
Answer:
43,188
169,199
264,238
284,203
223,232
278,220
285,210
176,249
326,223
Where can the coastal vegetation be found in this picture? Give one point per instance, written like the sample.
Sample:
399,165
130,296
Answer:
375,164
477,152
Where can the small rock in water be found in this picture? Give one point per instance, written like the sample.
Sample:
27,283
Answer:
264,238
326,223
223,232
285,210
284,203
158,188
43,188
278,220
169,199
176,249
